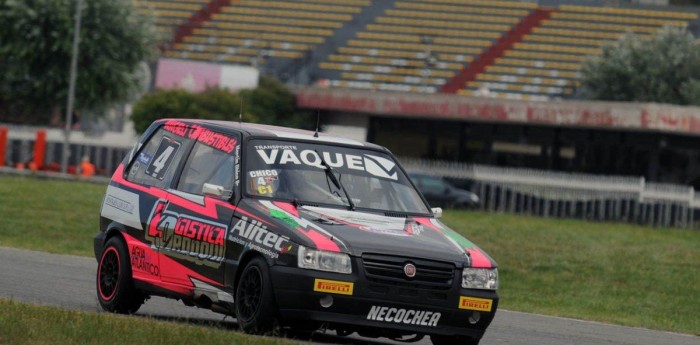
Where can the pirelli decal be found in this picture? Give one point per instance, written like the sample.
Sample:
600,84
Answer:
473,303
333,286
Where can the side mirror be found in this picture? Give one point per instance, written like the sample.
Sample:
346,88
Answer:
213,190
437,212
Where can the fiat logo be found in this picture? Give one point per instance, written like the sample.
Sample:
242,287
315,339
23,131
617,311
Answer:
409,270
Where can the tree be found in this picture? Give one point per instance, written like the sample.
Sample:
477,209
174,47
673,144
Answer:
35,52
213,104
664,68
272,103
269,103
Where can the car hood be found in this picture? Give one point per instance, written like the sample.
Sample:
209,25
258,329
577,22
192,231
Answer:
358,232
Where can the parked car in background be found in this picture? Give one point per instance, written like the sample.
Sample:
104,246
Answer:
440,193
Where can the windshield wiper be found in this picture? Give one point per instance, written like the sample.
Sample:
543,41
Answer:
336,182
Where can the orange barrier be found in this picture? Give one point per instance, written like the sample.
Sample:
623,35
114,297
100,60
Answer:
39,150
3,145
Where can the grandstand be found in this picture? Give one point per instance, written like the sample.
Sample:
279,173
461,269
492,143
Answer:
501,48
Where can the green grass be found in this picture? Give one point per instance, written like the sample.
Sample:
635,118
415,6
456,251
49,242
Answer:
49,215
607,272
28,324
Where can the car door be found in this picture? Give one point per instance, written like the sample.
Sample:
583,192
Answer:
200,212
147,179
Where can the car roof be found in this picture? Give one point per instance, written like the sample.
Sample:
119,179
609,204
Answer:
260,130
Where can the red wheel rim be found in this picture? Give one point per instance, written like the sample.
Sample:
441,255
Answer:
108,274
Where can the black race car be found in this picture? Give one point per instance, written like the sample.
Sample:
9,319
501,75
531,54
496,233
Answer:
286,228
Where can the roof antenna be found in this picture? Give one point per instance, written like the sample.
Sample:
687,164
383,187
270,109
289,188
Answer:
318,120
240,113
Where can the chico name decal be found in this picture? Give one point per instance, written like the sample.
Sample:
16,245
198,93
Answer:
333,286
256,236
187,237
374,165
473,303
405,316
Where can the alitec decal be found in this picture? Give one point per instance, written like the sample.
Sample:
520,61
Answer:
187,237
256,236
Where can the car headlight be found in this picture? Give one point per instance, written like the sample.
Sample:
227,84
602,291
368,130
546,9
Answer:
480,278
474,198
324,261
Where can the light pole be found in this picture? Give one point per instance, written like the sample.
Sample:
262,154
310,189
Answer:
71,87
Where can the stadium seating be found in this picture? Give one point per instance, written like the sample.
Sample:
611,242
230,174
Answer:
169,14
546,63
253,30
411,45
418,45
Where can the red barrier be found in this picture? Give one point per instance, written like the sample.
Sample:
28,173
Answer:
3,145
39,149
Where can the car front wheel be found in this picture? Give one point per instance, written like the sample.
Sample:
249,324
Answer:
115,286
255,305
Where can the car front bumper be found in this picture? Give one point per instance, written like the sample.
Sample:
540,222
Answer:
352,302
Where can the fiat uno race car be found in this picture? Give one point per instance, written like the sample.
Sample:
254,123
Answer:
286,228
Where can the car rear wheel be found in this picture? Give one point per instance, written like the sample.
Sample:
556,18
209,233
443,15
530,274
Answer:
449,340
255,305
115,286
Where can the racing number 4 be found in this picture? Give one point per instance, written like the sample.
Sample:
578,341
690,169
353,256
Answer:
159,163
167,149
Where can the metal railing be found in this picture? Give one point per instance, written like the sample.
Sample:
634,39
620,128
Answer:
571,195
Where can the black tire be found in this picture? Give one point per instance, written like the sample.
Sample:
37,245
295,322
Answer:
450,340
256,310
115,286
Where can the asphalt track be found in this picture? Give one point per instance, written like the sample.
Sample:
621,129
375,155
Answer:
69,282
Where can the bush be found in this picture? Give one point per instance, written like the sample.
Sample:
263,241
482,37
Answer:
270,103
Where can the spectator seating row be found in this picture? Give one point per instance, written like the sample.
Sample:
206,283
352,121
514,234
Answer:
251,31
169,14
419,45
547,62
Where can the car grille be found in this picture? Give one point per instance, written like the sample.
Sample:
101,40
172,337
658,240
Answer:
387,269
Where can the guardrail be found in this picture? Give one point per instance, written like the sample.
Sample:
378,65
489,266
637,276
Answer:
571,195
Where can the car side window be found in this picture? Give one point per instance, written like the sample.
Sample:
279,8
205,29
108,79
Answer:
207,165
156,164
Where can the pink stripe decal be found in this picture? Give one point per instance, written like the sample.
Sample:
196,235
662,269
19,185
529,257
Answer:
426,222
287,207
173,269
209,208
479,260
322,242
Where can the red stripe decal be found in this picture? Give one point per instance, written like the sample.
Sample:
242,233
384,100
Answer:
479,260
287,207
320,241
208,209
426,222
173,269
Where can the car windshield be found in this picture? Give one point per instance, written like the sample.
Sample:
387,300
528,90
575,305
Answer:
328,175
